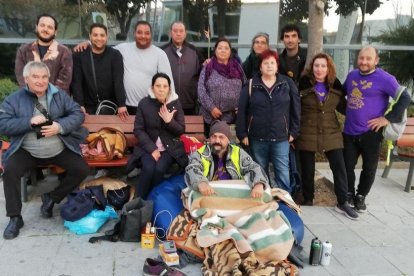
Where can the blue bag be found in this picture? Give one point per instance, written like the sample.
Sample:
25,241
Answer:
298,229
92,221
167,197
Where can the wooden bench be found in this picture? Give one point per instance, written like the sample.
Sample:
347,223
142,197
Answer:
194,126
403,153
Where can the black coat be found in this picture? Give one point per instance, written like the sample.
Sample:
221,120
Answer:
149,126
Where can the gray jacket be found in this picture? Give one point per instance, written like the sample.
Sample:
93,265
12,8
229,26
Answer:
250,171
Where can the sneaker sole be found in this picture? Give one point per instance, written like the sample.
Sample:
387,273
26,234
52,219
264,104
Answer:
360,210
345,213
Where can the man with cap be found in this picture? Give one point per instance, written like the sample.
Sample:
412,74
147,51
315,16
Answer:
220,160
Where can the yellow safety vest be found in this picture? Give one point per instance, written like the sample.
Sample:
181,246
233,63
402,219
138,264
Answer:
234,157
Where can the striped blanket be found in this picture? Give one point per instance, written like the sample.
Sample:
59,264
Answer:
254,225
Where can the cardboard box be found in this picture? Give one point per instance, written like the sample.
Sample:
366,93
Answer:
169,258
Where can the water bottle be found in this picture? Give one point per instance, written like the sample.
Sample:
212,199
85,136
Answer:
315,252
326,253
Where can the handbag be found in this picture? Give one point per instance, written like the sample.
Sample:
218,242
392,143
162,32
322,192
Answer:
134,216
81,202
105,107
117,198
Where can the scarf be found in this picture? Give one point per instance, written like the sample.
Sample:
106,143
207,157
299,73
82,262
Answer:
231,70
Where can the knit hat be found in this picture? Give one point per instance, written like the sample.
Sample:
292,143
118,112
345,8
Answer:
220,127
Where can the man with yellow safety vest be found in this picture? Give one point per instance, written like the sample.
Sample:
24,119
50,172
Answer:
220,160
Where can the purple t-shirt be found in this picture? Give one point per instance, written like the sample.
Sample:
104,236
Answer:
367,98
321,91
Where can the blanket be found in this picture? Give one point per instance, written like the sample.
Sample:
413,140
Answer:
253,225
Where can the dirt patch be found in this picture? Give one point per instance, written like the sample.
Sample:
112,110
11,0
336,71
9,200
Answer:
324,193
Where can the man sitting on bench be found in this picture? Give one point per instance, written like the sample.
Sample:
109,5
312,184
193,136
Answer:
42,122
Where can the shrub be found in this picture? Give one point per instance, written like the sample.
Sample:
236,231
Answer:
7,87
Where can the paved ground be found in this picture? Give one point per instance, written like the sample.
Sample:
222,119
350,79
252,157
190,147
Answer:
380,243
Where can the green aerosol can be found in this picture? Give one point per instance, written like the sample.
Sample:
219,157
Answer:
315,252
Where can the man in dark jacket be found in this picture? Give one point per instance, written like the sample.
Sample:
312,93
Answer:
293,57
185,66
106,82
42,122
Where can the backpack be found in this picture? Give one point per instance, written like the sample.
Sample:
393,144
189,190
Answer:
393,131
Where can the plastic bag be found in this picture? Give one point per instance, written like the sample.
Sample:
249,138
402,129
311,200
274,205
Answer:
92,221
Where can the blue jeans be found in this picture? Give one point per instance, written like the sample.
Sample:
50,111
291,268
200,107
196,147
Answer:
278,152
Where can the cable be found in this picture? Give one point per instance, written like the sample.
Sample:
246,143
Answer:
164,231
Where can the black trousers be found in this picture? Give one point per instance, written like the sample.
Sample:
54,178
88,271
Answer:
76,169
368,145
132,110
337,165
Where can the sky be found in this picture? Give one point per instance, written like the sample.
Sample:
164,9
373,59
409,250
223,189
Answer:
386,10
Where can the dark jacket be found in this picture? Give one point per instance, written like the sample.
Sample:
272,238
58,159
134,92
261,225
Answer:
300,64
185,71
251,65
58,60
319,129
17,110
270,116
149,126
109,71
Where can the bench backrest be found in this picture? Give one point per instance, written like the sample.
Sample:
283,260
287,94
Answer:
407,139
194,126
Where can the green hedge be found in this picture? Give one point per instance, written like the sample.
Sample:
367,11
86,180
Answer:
7,87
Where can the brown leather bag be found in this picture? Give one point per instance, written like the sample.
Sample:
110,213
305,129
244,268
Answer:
106,144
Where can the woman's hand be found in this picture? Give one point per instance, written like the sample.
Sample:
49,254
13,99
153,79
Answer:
216,113
156,154
165,114
291,138
205,189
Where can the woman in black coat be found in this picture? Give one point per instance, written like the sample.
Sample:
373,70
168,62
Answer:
159,122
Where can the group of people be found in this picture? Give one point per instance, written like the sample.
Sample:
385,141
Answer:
273,100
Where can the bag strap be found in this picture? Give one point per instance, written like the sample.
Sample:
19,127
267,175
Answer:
40,107
94,75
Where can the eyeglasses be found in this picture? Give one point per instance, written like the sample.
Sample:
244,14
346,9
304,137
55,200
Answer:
260,42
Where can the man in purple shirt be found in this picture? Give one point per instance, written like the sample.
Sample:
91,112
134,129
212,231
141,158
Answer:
368,91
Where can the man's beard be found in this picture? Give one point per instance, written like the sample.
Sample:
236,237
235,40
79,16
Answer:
47,39
218,150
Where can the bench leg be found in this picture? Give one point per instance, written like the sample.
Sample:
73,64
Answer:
23,184
409,177
386,170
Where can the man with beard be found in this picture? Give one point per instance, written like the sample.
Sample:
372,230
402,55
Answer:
221,160
103,81
368,90
56,56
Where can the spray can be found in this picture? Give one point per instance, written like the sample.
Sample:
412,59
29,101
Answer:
326,253
315,252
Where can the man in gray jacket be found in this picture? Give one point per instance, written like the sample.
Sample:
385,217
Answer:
221,160
185,66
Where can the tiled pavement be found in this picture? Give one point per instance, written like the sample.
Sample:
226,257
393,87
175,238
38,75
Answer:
380,243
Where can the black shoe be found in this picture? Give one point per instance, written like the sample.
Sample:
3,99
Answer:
350,199
12,229
307,202
47,206
347,210
360,205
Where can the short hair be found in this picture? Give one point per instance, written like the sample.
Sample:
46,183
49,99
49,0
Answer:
27,69
290,28
331,77
267,54
98,25
160,75
261,34
143,22
47,15
222,39
177,22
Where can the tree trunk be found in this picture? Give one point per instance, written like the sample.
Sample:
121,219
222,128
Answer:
221,17
315,28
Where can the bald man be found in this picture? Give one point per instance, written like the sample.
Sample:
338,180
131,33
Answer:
368,91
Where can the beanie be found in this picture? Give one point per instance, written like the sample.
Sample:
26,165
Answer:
220,127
